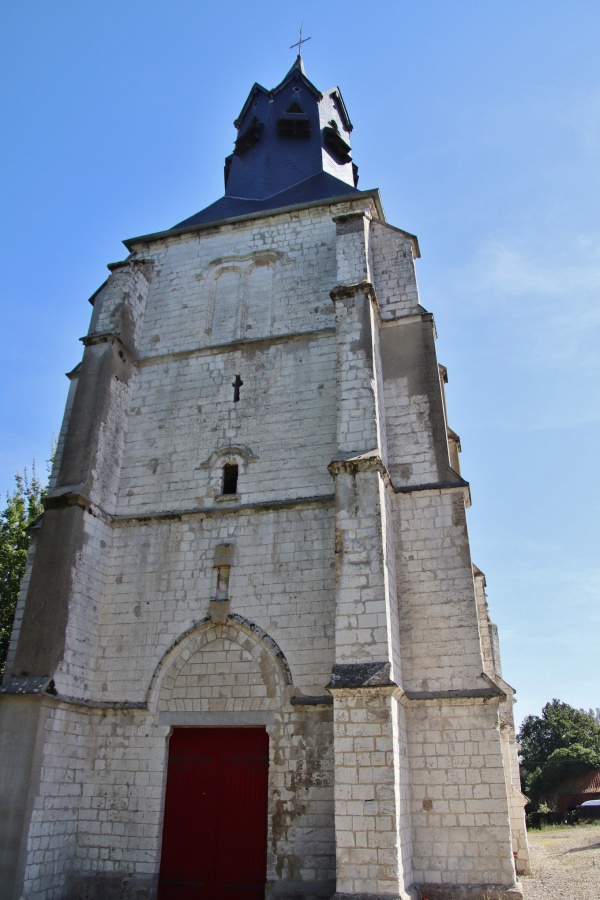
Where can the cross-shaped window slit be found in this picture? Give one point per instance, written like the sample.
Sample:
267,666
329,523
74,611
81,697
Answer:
236,388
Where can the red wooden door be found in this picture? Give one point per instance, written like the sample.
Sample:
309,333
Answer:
215,825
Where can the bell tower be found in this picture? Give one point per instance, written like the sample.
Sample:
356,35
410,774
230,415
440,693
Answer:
252,656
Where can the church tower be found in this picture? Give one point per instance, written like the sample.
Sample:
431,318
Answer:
252,657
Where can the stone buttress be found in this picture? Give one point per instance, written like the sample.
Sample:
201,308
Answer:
422,717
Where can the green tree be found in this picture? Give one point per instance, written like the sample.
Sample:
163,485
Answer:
560,727
23,506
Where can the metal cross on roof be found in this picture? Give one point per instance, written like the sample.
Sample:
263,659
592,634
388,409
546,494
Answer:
299,43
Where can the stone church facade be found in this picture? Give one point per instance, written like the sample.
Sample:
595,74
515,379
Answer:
252,656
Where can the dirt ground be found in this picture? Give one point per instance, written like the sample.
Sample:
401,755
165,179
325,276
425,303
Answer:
565,863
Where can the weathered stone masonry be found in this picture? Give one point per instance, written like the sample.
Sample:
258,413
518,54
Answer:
329,598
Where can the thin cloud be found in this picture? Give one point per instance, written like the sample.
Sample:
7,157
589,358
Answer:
547,300
582,116
500,269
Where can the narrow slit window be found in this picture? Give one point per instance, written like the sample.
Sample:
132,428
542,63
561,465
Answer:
236,385
230,478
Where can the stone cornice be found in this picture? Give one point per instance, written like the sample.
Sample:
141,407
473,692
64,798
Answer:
233,346
459,485
72,496
361,676
309,700
343,291
138,261
97,704
491,691
207,512
467,694
363,462
68,495
109,337
352,216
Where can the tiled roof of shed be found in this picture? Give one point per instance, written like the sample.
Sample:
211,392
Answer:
588,783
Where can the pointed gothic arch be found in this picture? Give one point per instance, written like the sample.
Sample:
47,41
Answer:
230,667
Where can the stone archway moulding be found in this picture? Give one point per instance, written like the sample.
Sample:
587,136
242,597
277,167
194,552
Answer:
237,631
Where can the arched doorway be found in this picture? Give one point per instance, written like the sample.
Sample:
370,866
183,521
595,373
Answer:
218,686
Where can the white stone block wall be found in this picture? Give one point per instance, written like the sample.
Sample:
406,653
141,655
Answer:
483,622
99,808
516,800
357,422
405,797
98,416
411,454
120,304
391,589
162,578
373,841
299,248
439,636
352,248
99,800
301,841
73,677
52,836
379,385
460,811
394,276
106,471
361,617
371,794
183,413
415,423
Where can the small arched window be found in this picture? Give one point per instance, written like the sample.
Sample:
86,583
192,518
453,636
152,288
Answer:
230,478
226,465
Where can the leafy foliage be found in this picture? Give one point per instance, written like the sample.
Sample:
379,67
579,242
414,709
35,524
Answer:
23,506
561,743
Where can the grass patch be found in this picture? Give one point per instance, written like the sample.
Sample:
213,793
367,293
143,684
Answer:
562,828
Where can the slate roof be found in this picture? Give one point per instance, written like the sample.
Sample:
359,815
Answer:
318,187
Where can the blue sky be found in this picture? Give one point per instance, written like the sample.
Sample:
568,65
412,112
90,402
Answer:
479,122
